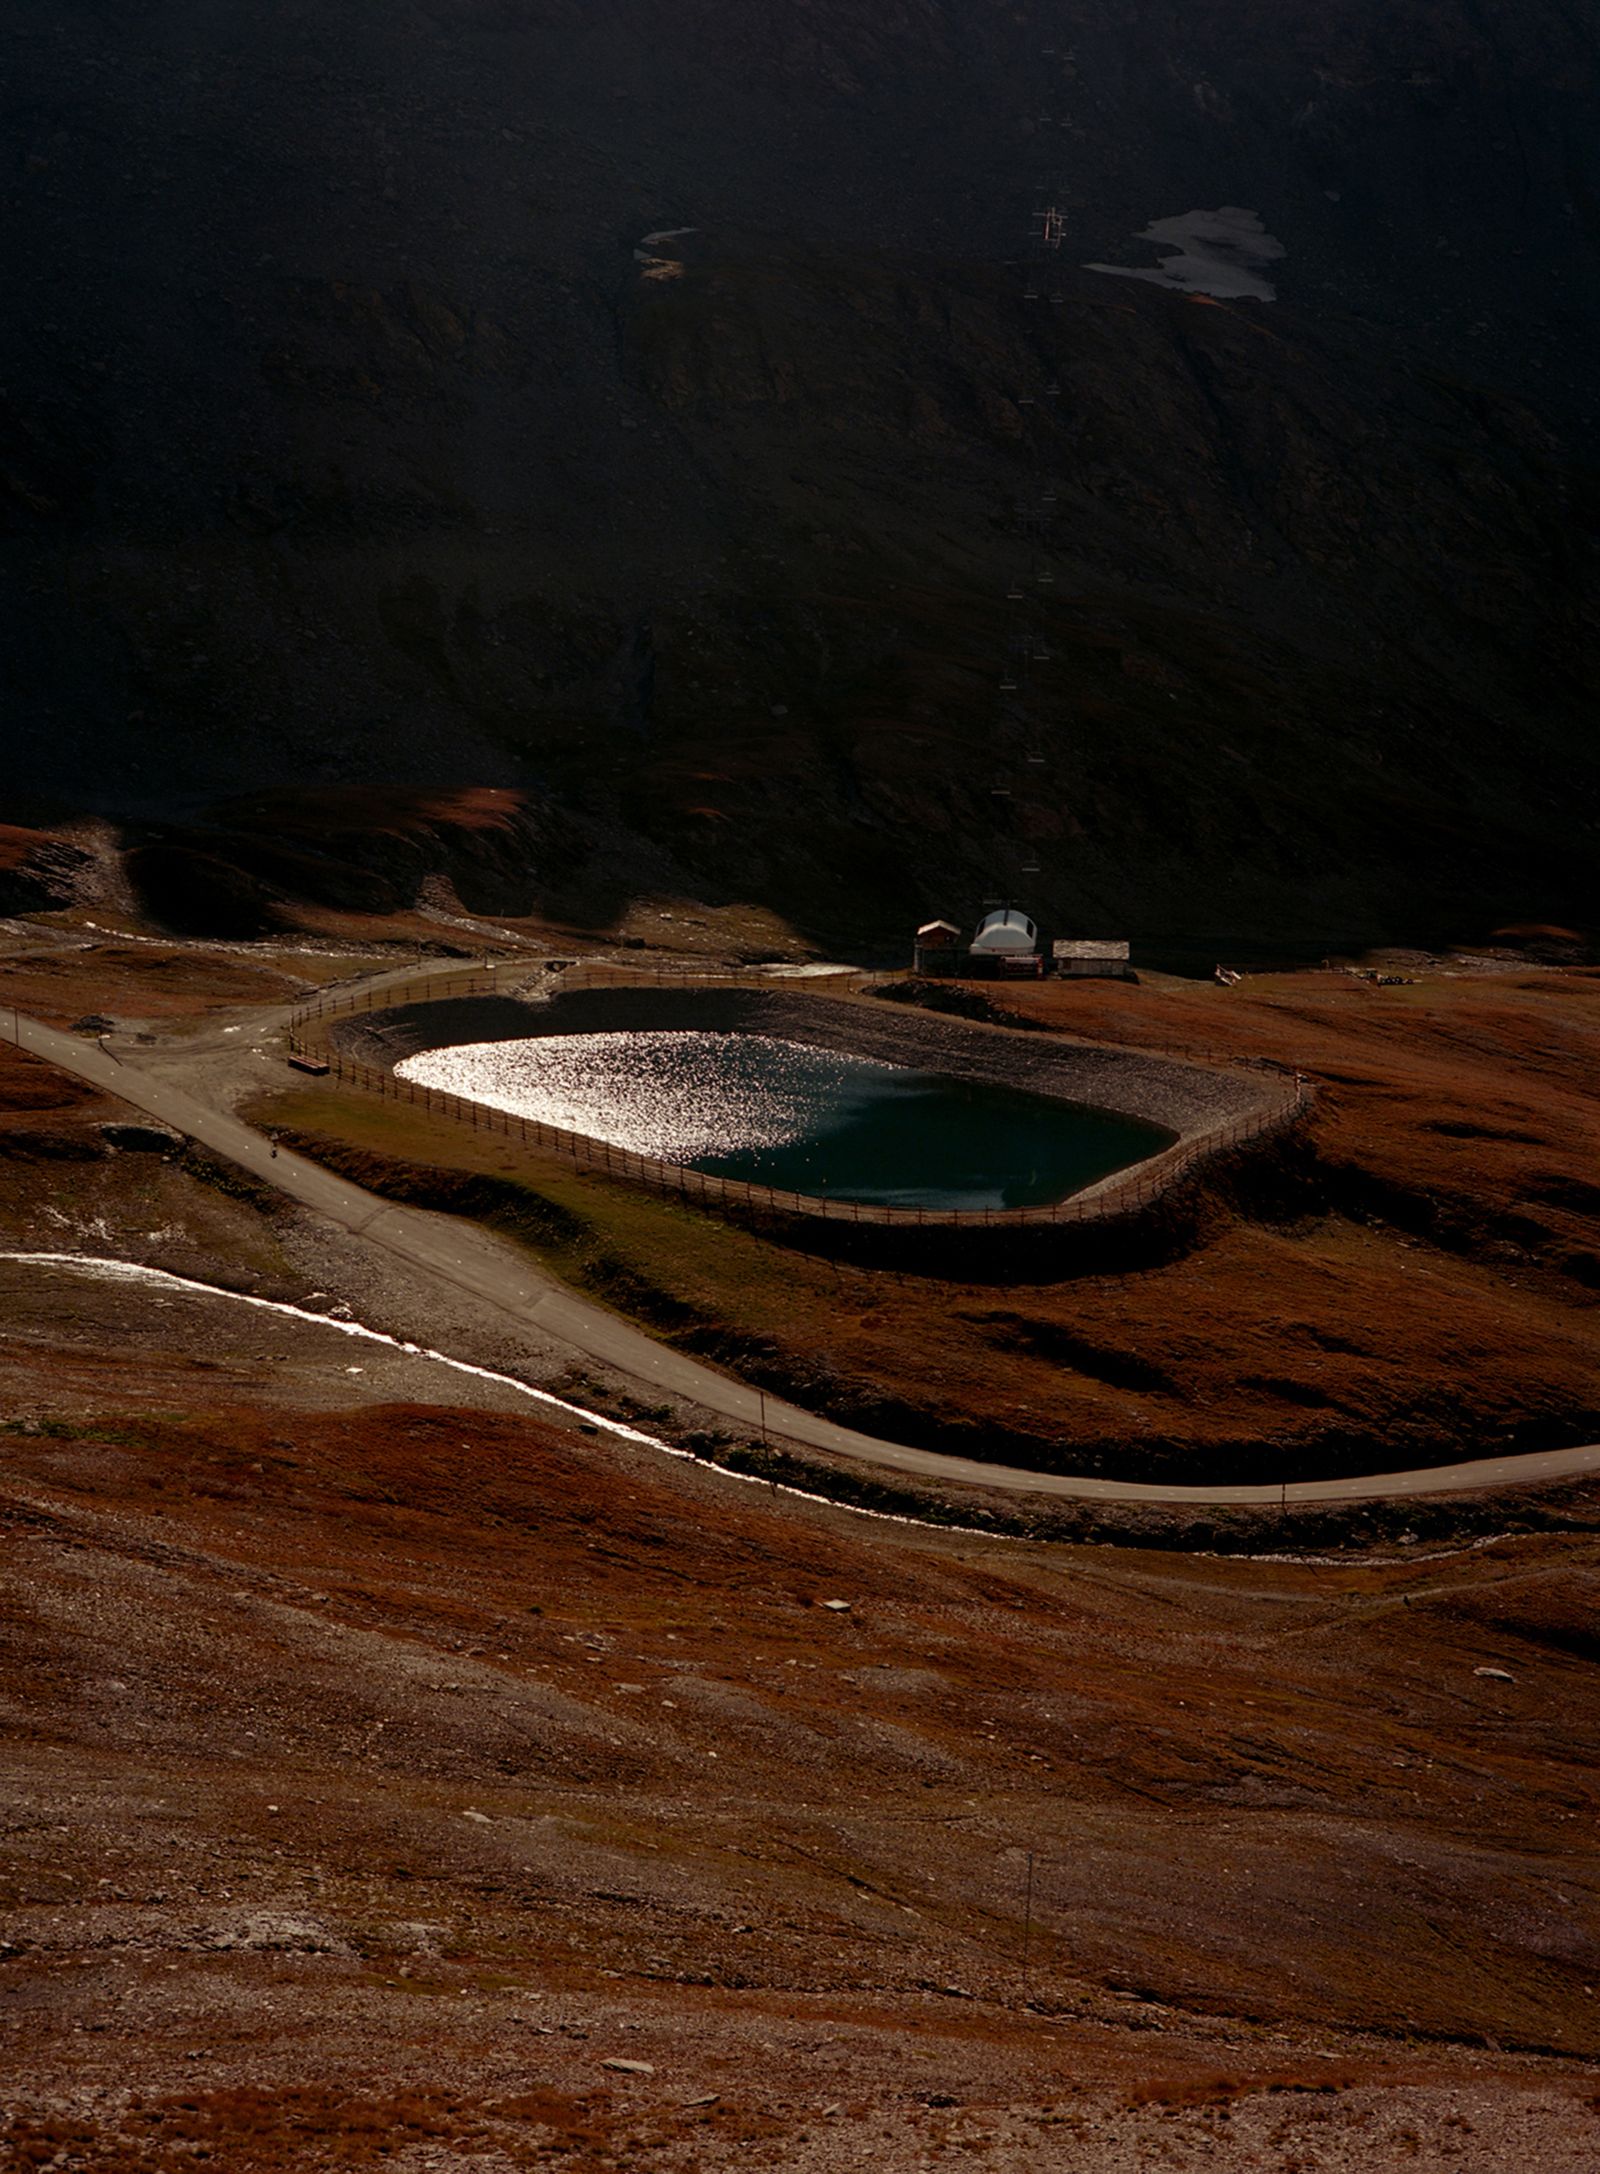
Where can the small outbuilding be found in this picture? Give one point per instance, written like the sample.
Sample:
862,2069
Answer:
937,949
1006,942
1079,957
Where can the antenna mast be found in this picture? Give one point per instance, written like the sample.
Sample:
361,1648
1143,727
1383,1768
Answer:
1027,646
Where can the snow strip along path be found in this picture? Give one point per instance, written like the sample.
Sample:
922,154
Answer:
495,1274
106,1269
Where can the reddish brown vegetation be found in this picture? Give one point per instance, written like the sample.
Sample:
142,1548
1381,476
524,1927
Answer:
1464,1109
340,811
713,1811
28,1086
265,860
136,981
376,1773
16,845
46,1113
1415,1282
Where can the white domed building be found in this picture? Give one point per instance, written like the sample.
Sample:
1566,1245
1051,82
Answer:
1006,942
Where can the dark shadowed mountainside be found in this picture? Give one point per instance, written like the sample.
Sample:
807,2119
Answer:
369,428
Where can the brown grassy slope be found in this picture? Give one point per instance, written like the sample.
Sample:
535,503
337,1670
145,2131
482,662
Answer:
29,1088
268,1636
364,850
383,1620
261,1667
65,1187
46,1115
1465,1105
1392,1319
141,981
16,844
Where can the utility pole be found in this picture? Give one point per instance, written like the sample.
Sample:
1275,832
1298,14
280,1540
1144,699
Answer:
1026,642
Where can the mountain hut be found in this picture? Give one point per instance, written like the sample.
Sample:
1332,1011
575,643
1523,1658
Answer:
937,949
1079,957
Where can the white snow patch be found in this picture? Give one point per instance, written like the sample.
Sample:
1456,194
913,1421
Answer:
110,1270
1222,253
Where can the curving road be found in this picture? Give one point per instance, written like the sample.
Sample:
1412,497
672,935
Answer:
494,1274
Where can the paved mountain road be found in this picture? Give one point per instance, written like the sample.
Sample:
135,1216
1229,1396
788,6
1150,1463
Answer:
495,1274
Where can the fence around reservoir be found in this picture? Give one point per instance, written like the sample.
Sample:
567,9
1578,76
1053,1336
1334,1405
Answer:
1124,1193
438,984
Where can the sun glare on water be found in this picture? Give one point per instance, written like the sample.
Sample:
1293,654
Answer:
758,1109
675,1096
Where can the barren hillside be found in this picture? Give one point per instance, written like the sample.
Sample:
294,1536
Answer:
354,434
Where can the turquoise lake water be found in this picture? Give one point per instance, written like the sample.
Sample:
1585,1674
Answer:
780,1113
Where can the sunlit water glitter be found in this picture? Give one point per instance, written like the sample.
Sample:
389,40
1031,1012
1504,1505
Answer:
749,1106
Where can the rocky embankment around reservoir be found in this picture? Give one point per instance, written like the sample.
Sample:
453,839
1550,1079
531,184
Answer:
1189,1100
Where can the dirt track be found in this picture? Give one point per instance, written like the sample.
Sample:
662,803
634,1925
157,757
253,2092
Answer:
472,1261
381,1763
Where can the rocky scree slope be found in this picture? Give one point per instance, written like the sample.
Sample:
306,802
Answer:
356,433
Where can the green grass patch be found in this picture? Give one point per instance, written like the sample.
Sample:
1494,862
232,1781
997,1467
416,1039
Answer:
688,1274
69,1430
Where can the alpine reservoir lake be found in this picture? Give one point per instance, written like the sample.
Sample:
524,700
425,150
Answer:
801,1119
